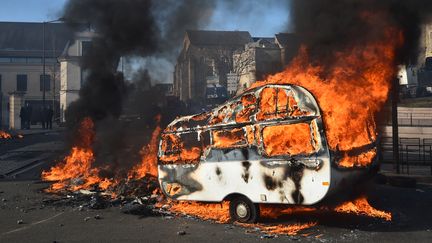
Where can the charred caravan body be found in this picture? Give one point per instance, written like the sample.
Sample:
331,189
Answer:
267,145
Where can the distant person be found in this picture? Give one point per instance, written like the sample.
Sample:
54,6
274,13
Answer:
29,113
49,117
43,117
23,117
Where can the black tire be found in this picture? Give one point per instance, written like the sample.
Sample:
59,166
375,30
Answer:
243,210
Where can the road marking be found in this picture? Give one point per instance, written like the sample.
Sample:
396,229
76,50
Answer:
33,224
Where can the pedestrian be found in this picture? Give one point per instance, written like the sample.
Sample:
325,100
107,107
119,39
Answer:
43,117
23,117
49,116
29,115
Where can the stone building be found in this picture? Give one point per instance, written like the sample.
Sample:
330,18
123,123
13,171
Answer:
264,56
21,67
206,59
231,59
260,58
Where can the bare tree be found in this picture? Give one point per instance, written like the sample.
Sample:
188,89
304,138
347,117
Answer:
243,61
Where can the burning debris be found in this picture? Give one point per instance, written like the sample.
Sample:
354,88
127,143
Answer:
5,135
77,172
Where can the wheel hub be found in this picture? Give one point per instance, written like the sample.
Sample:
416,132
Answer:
241,210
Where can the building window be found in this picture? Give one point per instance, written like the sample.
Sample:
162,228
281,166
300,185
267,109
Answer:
34,60
22,82
19,59
47,82
5,59
86,48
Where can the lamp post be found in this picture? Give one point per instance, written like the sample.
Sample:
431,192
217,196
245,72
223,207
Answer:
44,63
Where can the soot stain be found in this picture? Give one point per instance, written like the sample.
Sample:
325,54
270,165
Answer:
245,153
218,171
295,172
270,182
246,165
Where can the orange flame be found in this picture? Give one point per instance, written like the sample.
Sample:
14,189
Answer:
361,206
78,164
5,135
285,229
350,92
218,212
148,153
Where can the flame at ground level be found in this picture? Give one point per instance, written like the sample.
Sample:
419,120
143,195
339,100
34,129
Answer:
219,212
361,206
283,229
5,135
148,154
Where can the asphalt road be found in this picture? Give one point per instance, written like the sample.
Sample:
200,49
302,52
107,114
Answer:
25,158
22,201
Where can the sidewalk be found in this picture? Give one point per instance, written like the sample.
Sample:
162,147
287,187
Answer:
36,154
36,129
422,174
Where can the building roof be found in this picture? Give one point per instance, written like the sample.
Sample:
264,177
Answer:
221,38
25,39
286,39
265,42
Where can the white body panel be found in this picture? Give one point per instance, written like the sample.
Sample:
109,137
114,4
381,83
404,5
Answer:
221,179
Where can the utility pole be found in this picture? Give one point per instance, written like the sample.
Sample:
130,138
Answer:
395,124
43,68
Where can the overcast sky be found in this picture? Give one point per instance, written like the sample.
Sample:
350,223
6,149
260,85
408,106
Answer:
258,21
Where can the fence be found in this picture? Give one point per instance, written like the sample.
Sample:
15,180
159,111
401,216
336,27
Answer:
412,151
415,119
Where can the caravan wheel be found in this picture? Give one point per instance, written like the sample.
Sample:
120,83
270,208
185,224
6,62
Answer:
243,210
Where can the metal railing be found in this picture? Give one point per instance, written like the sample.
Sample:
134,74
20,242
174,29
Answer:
412,152
415,119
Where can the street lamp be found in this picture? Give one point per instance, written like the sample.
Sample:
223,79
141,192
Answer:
43,61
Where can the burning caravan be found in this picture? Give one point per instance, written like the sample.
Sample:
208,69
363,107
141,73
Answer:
267,145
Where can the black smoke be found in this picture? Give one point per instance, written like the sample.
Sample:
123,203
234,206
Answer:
124,110
327,27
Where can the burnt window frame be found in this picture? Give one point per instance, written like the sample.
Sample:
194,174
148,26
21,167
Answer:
225,106
240,104
275,97
176,150
229,130
184,144
277,113
317,147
